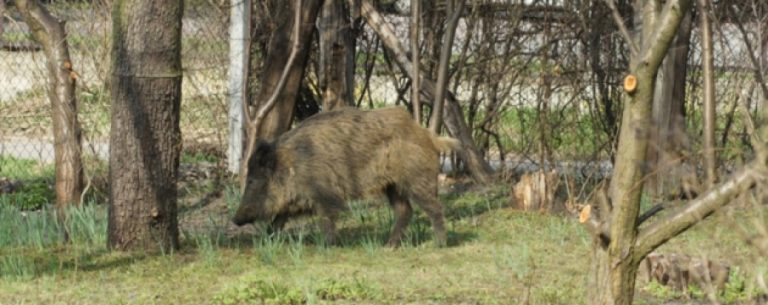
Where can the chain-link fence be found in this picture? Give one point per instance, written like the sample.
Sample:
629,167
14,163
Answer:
26,135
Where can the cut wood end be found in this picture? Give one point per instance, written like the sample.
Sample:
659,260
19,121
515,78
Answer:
67,64
630,83
586,211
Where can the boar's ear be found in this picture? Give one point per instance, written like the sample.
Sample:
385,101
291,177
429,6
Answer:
263,158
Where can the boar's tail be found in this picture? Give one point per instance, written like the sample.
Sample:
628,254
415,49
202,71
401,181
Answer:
446,144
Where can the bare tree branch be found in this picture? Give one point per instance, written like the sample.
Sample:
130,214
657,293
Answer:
454,120
254,123
442,70
752,58
622,27
662,35
698,209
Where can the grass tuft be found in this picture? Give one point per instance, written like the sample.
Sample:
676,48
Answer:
496,255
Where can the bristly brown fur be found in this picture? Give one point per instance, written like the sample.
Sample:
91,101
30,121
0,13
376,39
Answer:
343,155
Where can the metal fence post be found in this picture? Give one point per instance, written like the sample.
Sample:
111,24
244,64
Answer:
238,37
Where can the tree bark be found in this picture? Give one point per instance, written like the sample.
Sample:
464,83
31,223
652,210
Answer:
2,20
616,264
708,65
278,120
604,51
145,139
50,33
337,56
256,120
668,129
415,61
454,119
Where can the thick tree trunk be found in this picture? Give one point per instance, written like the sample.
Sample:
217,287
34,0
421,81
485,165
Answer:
145,139
337,56
49,32
278,120
453,116
610,283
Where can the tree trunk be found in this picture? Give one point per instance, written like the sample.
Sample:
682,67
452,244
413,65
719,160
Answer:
446,46
604,50
615,260
453,116
278,120
49,32
708,66
619,243
668,129
2,20
145,139
613,280
415,61
337,56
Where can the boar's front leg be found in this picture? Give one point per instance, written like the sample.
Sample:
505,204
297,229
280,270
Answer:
328,225
278,223
328,210
403,213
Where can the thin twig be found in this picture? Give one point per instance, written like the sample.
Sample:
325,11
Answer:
622,27
283,78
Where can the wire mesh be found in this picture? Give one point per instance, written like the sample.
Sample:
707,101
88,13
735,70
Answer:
26,133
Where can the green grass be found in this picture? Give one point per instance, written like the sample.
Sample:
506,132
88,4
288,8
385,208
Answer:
197,157
497,255
33,181
571,134
15,37
23,169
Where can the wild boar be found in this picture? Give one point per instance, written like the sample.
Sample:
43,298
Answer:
342,155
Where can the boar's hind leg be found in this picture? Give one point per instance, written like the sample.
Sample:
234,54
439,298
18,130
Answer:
403,212
426,198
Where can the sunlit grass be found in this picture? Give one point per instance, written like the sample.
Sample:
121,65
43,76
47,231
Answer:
497,255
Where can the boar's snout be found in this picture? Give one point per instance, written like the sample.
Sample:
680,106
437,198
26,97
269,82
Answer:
243,216
239,221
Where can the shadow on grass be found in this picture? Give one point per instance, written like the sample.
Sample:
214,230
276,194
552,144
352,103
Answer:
368,224
472,203
103,259
22,264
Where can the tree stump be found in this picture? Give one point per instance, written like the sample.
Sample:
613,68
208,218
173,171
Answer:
536,191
